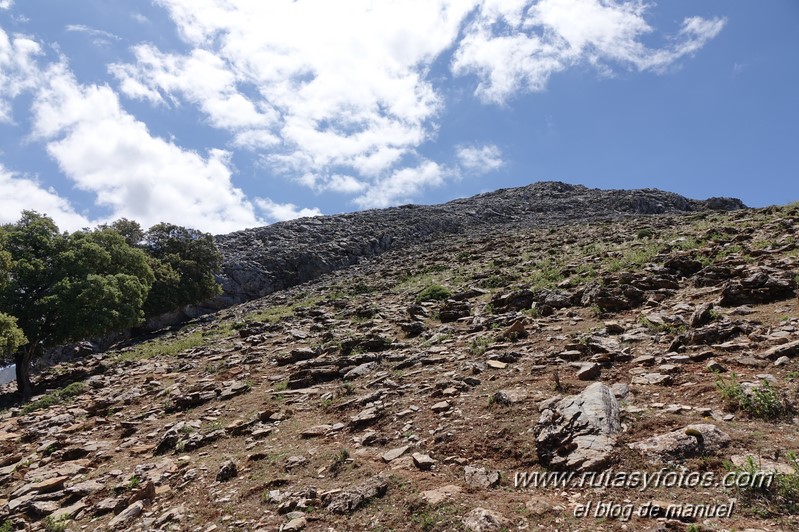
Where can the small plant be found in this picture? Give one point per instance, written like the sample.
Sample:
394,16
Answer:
134,482
6,527
645,232
282,386
54,398
771,493
533,312
480,345
54,525
339,460
434,292
761,401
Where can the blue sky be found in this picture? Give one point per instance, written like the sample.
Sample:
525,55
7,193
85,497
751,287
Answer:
221,114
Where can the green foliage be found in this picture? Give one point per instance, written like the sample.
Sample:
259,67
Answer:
762,401
769,496
6,526
546,274
55,525
645,232
169,346
54,398
434,292
65,287
184,263
11,336
479,345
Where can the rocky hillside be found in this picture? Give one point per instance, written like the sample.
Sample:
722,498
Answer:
261,261
653,358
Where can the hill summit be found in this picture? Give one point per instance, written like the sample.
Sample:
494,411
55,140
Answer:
263,260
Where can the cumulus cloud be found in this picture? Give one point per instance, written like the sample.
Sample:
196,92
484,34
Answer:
19,193
18,69
280,212
402,185
479,160
340,100
513,45
107,152
322,92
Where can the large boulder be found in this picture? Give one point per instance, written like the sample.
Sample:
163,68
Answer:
693,440
578,433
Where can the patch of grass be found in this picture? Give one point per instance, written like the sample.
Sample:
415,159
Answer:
767,495
660,327
434,292
443,516
134,482
339,460
634,258
282,386
763,401
547,274
172,345
54,398
645,232
6,527
480,345
55,525
497,281
362,288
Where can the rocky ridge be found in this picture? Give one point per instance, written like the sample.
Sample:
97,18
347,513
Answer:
264,260
407,391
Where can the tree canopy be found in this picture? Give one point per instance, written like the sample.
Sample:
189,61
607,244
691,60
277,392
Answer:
59,287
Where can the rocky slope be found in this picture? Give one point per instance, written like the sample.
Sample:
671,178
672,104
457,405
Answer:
263,260
421,389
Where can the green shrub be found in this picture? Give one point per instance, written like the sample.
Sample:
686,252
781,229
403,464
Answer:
55,525
645,232
763,401
54,398
434,292
775,496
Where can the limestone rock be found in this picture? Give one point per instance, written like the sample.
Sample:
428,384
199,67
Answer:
482,520
227,471
579,432
693,440
127,516
349,500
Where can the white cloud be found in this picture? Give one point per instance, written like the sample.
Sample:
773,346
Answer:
203,79
134,174
402,186
321,91
479,160
100,35
18,69
20,193
6,4
138,17
514,45
280,212
343,91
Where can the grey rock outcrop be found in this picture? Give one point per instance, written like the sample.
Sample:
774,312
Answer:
578,433
263,260
693,440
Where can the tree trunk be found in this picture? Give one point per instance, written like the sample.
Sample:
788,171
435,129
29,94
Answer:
22,360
